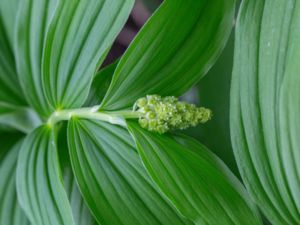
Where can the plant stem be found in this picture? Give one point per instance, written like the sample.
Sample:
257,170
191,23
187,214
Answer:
114,117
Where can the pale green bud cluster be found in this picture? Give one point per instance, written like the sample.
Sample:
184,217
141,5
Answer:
162,114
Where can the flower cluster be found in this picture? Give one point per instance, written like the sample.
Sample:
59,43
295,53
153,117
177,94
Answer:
162,114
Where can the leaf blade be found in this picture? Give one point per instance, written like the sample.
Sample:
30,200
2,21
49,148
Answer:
261,104
71,60
194,180
158,63
8,193
8,12
33,20
39,181
22,119
107,168
81,213
10,88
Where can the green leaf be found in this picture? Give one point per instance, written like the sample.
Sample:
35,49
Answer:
11,212
8,12
100,84
77,42
18,118
265,106
39,181
196,181
10,91
33,21
81,213
112,179
175,48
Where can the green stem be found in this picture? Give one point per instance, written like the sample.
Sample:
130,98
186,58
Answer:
115,117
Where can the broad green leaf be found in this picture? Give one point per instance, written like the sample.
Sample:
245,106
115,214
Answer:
18,118
77,42
10,91
265,106
8,12
10,210
100,84
81,213
197,182
176,47
33,21
39,181
112,179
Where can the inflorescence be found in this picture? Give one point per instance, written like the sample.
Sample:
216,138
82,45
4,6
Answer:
163,114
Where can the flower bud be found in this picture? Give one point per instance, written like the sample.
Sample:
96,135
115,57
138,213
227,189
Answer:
161,115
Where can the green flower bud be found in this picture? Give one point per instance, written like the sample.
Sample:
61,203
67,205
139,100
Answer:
188,115
153,99
153,123
161,129
151,115
141,102
176,120
180,106
164,114
143,123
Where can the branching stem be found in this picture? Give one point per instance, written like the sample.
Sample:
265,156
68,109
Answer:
113,117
